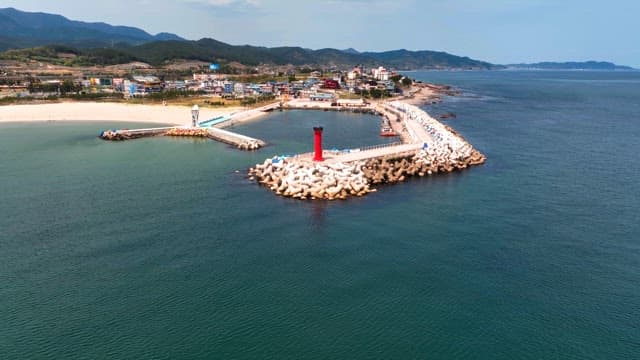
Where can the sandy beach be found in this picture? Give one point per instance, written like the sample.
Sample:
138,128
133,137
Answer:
93,111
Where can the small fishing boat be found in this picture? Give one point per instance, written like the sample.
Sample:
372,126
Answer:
386,129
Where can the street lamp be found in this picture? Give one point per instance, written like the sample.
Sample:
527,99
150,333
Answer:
195,112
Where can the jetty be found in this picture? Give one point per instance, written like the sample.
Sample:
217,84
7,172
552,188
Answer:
241,142
428,147
205,129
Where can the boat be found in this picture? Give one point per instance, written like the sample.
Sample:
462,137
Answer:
386,129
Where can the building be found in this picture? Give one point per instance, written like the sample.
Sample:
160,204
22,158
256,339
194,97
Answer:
355,103
238,88
204,77
322,97
381,74
330,84
228,87
143,85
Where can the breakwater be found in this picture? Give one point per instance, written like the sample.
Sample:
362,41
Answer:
306,180
242,142
430,148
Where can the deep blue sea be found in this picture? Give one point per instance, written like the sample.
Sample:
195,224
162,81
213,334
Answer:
161,248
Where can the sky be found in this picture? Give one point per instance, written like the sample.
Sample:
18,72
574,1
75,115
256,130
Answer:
498,31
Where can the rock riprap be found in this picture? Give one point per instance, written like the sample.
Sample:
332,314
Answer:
305,180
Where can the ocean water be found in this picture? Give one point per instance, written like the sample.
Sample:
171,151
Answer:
161,248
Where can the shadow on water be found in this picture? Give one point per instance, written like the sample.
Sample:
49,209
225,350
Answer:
318,216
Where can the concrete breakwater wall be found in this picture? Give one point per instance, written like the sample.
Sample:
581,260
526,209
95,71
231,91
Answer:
126,134
240,141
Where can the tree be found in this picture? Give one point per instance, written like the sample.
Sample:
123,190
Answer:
68,86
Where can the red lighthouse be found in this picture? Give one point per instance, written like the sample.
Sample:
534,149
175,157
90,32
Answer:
317,131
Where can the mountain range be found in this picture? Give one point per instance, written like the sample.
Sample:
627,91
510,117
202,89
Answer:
105,44
28,29
45,35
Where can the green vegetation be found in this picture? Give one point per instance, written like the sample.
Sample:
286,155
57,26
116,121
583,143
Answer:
173,94
159,53
401,81
30,29
68,56
374,93
66,87
255,100
57,97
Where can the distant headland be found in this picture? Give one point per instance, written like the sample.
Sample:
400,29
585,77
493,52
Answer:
570,65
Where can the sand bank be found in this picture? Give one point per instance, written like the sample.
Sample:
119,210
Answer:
93,111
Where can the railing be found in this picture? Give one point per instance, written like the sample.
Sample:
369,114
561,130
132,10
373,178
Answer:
379,146
236,136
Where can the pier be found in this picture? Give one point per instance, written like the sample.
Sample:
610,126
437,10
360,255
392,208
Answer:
240,141
205,128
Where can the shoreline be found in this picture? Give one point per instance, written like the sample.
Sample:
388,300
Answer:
175,115
99,111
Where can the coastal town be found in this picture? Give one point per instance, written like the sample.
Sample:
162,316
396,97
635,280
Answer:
19,82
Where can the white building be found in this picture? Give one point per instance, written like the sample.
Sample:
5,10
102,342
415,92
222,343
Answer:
381,74
238,88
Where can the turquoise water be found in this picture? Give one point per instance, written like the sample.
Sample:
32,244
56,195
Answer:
161,248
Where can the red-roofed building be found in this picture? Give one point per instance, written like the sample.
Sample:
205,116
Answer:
331,84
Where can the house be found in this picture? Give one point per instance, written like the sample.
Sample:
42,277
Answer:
322,97
146,84
238,88
381,73
330,84
355,103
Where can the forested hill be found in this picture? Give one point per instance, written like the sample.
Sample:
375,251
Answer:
213,50
209,50
19,29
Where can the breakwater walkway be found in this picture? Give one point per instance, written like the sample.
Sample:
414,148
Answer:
242,142
210,128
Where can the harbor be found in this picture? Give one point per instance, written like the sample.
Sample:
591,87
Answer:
425,147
